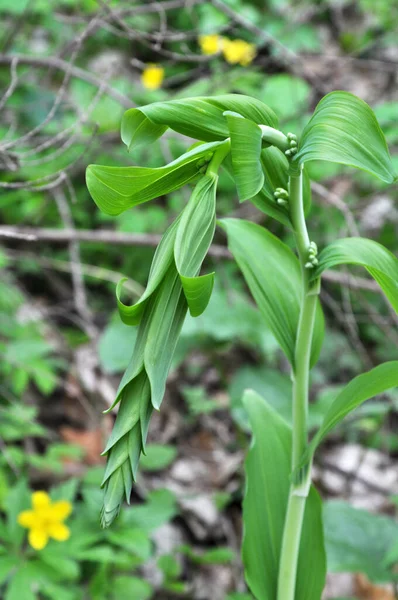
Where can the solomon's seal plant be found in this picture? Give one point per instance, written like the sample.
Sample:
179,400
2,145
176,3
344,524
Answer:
283,548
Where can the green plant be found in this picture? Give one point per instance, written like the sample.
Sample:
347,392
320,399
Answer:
283,548
83,561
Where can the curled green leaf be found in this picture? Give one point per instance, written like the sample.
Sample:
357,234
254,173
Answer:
193,238
200,118
115,189
344,129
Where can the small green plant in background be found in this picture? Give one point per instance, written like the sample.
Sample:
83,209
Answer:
283,545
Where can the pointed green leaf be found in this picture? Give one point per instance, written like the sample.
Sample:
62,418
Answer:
267,466
197,291
272,272
135,394
361,388
379,262
199,118
193,238
136,364
139,130
344,129
115,189
246,141
164,329
162,259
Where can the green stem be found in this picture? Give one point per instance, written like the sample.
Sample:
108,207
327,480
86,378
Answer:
218,156
274,137
298,493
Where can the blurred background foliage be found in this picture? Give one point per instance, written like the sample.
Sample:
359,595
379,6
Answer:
68,70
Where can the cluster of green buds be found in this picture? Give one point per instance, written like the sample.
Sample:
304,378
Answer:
312,260
292,150
281,196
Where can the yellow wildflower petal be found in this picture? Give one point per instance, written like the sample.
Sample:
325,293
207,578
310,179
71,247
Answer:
58,511
210,44
27,518
59,532
152,77
231,51
248,55
38,538
238,52
40,500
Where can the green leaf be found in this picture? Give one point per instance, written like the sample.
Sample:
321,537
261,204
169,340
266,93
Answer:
358,541
164,330
275,167
360,389
8,564
126,588
246,142
344,129
193,238
115,189
379,262
268,382
159,508
272,272
115,346
268,466
158,457
276,174
162,259
134,540
200,118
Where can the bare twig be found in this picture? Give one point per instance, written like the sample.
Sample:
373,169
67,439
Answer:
63,236
92,271
79,290
63,65
338,203
13,84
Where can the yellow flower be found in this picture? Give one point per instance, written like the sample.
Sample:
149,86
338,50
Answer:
45,520
238,52
210,44
152,77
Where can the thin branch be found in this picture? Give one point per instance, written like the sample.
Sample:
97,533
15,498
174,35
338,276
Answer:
64,236
79,290
13,83
53,62
337,202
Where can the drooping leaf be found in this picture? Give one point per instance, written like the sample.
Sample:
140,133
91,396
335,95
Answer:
272,272
246,140
358,390
379,262
163,333
162,259
267,468
193,238
115,189
275,167
358,541
200,118
344,129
